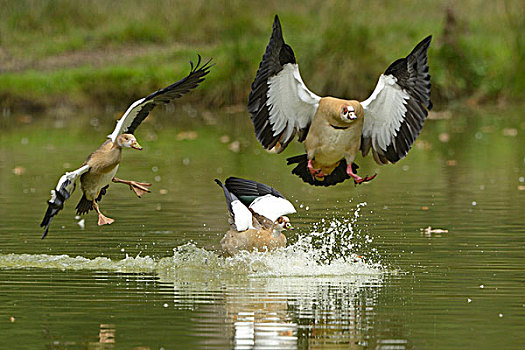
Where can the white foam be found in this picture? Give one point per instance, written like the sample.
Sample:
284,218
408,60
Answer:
333,248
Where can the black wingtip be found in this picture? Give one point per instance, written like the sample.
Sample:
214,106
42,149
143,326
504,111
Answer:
422,45
230,197
198,62
45,231
46,222
204,67
52,210
277,32
276,21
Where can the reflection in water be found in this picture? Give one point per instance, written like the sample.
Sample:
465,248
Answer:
301,294
330,288
285,312
106,338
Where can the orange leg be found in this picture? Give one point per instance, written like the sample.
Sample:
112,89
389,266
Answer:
358,179
139,188
313,171
102,219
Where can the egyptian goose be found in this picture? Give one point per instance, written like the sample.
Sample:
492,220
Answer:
334,130
257,216
100,167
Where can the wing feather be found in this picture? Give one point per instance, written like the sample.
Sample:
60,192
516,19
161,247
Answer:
258,197
63,190
139,110
272,207
241,215
398,106
248,190
280,104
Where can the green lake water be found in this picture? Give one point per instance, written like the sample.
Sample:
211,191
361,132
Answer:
359,271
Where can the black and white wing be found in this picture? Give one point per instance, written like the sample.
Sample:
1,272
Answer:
248,190
262,199
63,190
140,109
398,107
280,104
241,215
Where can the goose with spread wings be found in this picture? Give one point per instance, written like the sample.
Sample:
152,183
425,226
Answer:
334,130
257,216
100,167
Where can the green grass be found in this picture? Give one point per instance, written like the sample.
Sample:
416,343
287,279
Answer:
99,52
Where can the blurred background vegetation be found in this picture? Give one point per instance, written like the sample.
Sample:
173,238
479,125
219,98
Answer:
99,53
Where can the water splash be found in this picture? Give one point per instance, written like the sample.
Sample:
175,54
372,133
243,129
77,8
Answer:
332,248
342,238
295,260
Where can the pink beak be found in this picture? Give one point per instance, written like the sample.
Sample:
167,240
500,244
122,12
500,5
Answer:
135,145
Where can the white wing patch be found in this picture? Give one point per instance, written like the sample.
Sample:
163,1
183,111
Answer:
126,119
290,103
242,217
272,207
72,177
385,109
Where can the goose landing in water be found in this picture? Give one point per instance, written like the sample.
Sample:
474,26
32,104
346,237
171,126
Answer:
334,130
99,169
257,216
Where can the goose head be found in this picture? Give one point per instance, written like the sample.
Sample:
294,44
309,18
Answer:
128,141
282,223
350,112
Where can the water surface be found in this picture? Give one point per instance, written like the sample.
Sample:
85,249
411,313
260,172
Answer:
359,271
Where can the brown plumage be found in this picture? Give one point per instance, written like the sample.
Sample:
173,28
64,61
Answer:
331,139
334,130
99,169
256,216
103,165
252,239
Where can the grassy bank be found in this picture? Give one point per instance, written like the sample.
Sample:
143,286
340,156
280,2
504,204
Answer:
100,53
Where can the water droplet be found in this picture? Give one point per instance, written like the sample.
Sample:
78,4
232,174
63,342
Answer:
469,300
474,203
481,286
165,305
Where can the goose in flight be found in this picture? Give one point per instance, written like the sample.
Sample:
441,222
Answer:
100,167
334,130
257,216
